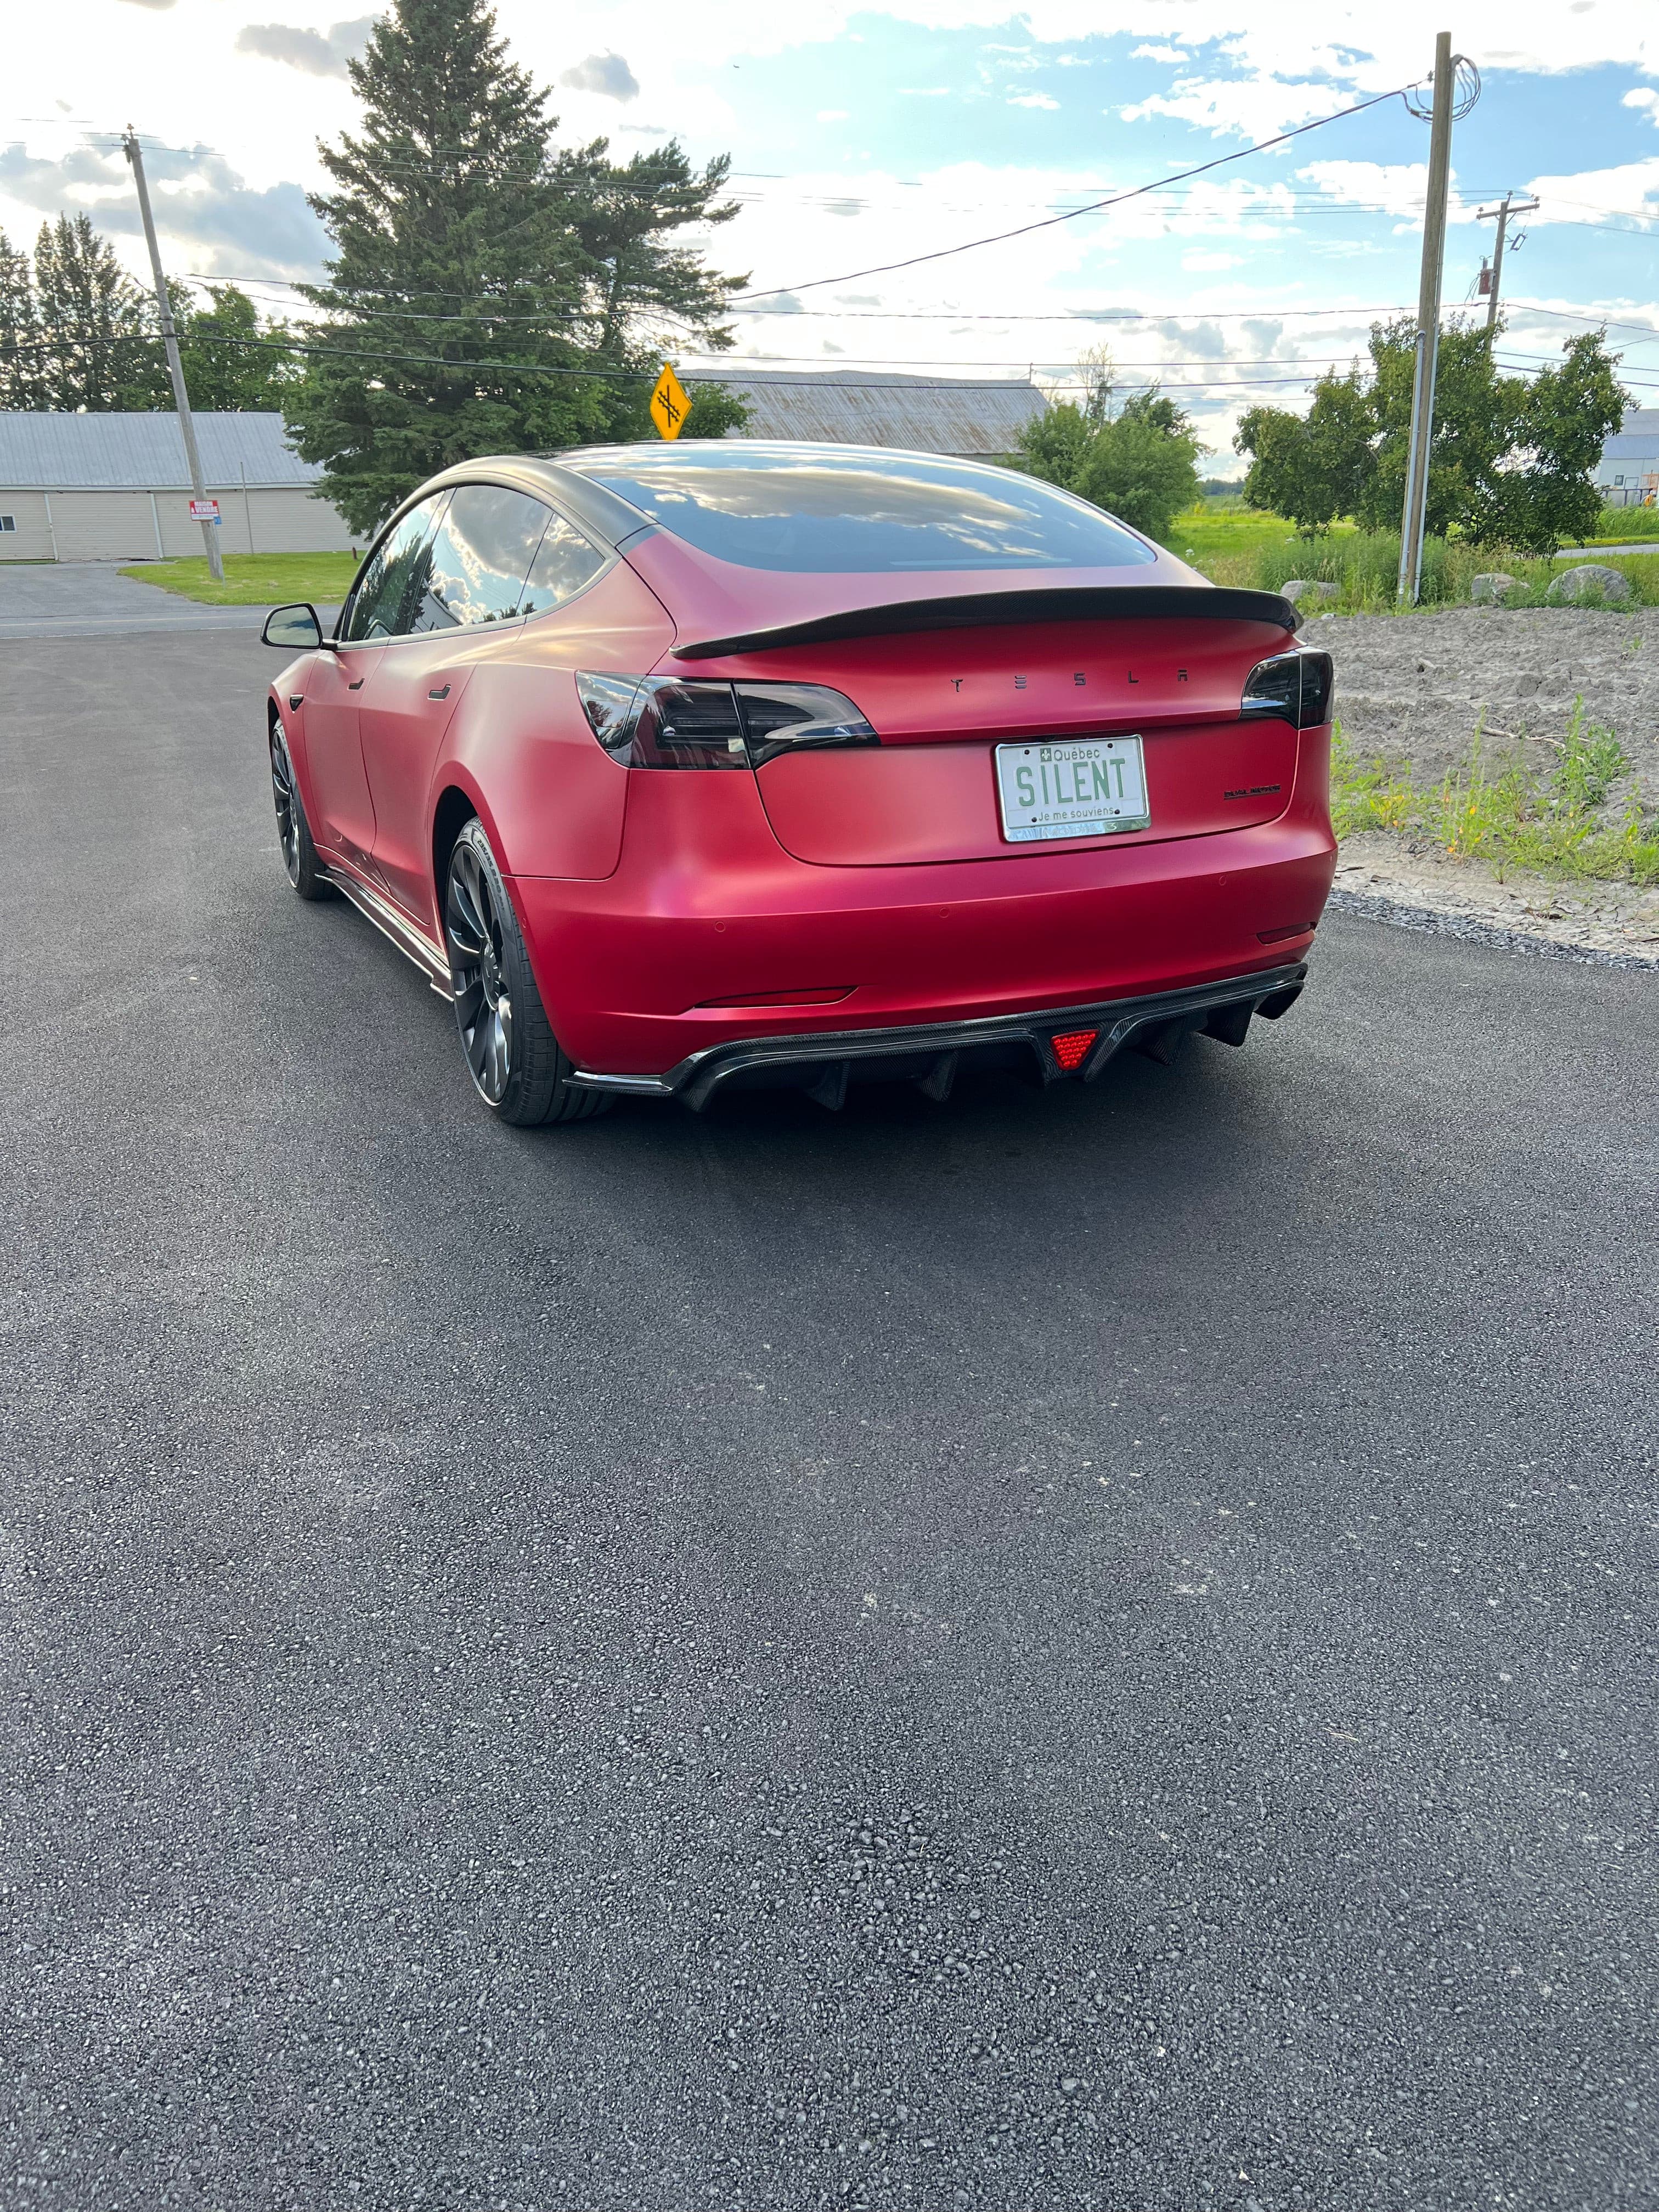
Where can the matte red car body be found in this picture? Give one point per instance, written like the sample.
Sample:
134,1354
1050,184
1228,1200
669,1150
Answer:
830,890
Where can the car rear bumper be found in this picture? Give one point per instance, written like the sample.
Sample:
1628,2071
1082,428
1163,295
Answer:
642,972
932,1054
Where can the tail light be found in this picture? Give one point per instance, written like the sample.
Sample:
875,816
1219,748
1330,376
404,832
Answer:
658,721
1291,687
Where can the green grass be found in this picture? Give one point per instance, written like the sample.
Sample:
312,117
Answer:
1240,546
255,580
1627,522
1225,543
1556,824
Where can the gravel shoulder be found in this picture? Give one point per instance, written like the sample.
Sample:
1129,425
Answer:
1414,690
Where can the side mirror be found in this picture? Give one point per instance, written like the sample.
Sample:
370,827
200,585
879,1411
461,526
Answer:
296,629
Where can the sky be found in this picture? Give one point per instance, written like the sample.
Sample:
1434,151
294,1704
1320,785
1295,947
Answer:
863,136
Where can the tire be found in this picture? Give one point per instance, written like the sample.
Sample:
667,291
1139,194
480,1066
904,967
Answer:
292,830
517,1064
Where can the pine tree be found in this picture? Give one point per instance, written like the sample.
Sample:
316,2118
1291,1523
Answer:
22,383
99,350
466,307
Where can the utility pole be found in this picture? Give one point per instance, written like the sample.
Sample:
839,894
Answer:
1428,325
175,366
1500,215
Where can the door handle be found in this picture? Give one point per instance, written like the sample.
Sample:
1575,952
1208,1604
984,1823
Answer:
356,686
442,692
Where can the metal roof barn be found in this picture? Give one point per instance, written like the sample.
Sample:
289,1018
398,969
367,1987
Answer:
116,487
1627,474
875,407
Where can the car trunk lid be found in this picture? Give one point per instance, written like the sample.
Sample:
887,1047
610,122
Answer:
943,701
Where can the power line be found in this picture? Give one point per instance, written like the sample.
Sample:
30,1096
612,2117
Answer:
1024,230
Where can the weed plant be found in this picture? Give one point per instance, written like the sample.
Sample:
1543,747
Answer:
1556,824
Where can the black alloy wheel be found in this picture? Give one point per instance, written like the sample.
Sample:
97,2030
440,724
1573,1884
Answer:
517,1066
292,830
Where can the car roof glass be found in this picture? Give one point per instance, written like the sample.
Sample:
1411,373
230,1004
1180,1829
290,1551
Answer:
853,509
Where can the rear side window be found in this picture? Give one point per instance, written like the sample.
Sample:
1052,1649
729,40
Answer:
473,570
564,562
807,510
376,604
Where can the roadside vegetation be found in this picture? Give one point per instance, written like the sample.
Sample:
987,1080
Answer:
1510,818
255,580
1239,545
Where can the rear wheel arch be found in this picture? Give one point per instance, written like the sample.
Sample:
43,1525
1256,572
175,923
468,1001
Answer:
454,810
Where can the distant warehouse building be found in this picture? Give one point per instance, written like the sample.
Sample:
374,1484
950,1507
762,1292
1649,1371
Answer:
977,420
117,487
1628,475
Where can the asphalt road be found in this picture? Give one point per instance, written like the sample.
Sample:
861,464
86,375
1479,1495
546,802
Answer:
1092,1650
73,599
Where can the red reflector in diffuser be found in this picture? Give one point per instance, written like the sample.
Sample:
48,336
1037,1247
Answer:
1072,1049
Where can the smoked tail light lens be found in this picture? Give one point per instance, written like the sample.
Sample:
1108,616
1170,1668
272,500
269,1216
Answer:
781,717
653,721
658,721
1291,687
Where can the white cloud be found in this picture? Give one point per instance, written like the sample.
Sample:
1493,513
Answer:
1593,195
608,75
833,114
1199,260
1394,188
1032,100
1245,107
316,53
1644,96
1173,54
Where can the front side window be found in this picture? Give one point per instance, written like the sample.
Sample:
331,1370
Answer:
814,510
564,562
382,589
473,569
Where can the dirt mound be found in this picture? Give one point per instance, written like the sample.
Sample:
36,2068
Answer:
1414,688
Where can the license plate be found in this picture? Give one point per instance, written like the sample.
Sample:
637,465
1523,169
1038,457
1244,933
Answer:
1070,788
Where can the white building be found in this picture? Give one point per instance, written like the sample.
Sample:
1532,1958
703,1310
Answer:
1628,472
117,487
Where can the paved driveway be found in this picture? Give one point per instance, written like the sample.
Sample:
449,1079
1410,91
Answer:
93,598
1094,1650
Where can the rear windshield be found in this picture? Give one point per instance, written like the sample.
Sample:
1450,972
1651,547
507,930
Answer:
809,511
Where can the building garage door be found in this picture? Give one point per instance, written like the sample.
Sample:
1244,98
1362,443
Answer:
104,525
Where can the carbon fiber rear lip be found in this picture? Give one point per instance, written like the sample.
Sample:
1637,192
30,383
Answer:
826,1060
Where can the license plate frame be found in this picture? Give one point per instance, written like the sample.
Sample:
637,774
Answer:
1037,813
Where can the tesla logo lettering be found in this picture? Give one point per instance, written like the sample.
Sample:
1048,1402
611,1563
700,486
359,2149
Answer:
1133,678
1180,675
1080,681
956,684
1019,682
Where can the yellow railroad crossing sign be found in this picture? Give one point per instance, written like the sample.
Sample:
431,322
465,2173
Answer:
669,405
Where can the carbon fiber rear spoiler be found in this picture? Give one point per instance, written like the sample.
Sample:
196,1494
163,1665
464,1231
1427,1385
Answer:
975,611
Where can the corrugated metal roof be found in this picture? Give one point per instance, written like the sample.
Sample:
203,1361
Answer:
874,407
142,453
1638,440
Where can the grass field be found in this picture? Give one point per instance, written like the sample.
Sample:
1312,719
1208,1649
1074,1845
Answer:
255,580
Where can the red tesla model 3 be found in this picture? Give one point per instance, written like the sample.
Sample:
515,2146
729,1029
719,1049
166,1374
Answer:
692,767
